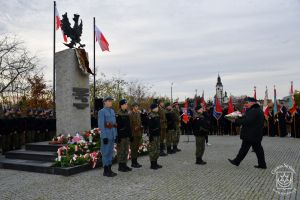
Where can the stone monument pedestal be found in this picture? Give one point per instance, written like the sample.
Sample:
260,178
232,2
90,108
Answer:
72,96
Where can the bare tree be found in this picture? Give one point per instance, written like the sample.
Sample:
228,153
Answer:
15,64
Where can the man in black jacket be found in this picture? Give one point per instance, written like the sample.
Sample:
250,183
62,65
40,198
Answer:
154,136
251,134
124,135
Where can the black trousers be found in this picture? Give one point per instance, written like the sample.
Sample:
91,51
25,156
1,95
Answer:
258,149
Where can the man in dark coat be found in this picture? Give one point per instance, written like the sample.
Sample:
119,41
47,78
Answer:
251,134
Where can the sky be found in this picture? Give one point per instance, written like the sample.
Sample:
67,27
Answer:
249,42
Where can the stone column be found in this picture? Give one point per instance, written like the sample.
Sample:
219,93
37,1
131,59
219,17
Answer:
72,95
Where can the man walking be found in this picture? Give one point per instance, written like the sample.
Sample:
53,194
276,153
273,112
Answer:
251,134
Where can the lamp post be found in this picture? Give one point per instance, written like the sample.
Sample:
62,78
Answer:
172,92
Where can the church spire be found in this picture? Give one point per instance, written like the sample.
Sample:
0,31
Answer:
219,82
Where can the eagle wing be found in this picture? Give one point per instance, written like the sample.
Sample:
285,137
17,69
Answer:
66,25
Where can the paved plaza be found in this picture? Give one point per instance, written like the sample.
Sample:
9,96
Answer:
179,178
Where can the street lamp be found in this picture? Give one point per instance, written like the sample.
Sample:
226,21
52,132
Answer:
172,92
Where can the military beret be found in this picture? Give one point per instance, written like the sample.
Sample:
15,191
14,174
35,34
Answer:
107,98
250,99
153,106
122,102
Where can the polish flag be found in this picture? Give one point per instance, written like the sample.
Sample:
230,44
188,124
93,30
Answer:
58,24
101,39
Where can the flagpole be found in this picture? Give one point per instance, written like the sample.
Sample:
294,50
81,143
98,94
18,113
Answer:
54,37
94,95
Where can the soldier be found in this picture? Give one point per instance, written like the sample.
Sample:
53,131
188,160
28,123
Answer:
177,119
171,128
154,132
200,125
136,129
163,127
124,136
107,125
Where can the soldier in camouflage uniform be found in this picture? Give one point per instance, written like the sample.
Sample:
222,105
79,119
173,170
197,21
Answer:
136,129
200,125
176,110
154,132
171,128
163,127
124,136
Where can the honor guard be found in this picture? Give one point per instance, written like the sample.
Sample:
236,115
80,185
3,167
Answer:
108,127
137,130
154,132
124,136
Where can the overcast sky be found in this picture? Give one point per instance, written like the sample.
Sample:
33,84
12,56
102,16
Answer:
249,42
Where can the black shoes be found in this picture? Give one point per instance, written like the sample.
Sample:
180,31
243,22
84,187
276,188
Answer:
169,150
108,172
124,168
199,161
175,148
157,165
162,153
233,162
260,167
154,165
135,163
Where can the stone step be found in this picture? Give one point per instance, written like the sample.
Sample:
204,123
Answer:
31,155
42,146
43,167
28,165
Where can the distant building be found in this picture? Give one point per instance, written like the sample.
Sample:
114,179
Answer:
223,98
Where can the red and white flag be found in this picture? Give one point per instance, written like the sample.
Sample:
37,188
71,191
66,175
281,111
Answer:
265,106
99,37
58,24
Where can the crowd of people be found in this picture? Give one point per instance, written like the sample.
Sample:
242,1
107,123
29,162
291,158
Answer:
18,128
163,122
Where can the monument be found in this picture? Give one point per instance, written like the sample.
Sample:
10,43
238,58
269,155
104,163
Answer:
72,83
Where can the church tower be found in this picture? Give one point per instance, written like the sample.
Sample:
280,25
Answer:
219,89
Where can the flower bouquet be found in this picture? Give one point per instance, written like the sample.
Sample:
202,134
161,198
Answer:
233,115
79,149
